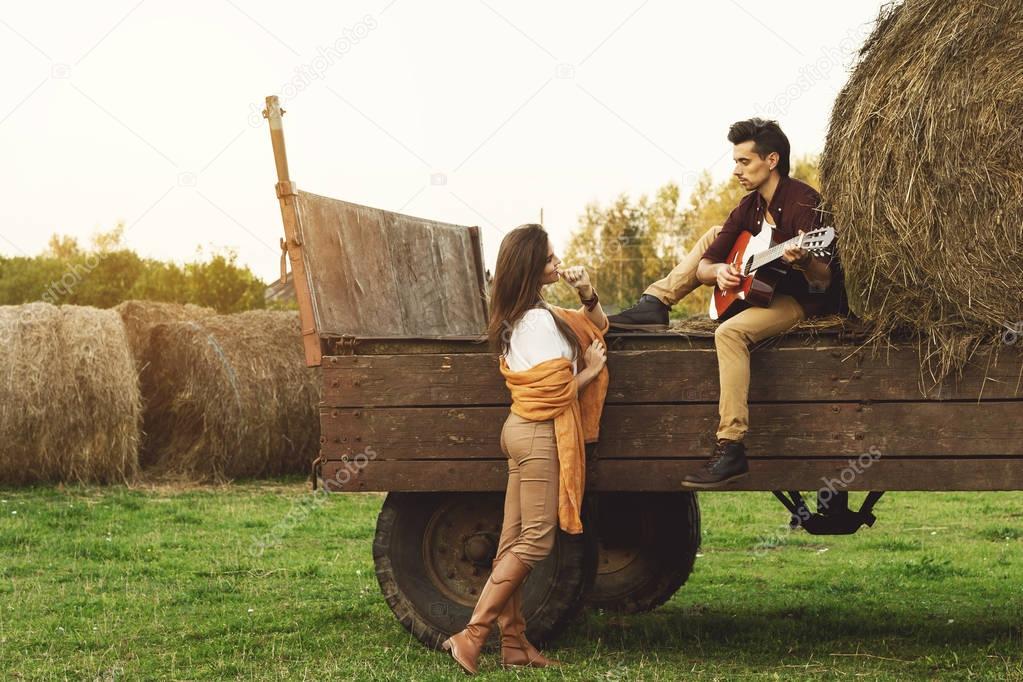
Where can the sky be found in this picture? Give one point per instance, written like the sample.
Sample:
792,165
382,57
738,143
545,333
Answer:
474,112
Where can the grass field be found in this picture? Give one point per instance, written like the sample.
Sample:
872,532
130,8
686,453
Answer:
262,580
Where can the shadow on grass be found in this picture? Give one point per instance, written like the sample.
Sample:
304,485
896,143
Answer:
802,625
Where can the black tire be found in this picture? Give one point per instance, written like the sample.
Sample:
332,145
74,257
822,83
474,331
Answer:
647,545
433,552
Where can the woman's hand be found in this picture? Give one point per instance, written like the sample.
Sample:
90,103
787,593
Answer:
595,356
576,276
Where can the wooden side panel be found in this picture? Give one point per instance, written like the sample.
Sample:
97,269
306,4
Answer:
432,421
646,431
374,273
666,475
825,373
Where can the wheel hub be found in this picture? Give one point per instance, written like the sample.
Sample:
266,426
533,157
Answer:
459,546
614,559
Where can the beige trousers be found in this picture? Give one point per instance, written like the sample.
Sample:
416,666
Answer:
681,281
732,338
531,500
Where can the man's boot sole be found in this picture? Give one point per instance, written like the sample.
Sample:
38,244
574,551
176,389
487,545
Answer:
716,484
640,327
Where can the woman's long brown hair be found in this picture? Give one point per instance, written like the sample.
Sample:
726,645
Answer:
518,285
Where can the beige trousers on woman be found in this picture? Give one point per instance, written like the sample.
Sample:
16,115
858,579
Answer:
531,501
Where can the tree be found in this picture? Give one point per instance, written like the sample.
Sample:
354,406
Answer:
625,245
221,284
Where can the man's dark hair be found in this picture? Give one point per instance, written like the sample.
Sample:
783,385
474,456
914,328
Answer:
767,137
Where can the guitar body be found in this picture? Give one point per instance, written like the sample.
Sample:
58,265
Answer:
756,289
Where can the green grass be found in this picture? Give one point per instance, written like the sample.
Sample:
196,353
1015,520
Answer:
256,581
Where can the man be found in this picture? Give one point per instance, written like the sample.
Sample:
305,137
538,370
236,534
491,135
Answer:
811,287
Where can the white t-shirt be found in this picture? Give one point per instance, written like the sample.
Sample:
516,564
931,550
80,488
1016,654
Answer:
535,339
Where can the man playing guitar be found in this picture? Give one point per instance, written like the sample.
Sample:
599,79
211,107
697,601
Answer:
811,285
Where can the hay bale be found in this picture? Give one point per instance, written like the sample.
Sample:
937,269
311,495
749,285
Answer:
230,396
69,398
141,316
922,174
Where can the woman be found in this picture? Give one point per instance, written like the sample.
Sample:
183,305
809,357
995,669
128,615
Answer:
557,397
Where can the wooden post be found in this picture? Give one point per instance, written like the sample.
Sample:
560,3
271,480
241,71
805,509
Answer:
287,193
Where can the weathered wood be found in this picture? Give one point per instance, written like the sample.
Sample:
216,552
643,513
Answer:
378,273
670,340
823,373
292,243
923,429
666,475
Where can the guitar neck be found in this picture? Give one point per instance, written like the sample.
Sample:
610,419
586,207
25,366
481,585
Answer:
768,256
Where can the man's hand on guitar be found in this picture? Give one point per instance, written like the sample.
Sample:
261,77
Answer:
797,256
727,276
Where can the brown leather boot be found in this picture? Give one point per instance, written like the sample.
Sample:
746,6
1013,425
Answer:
504,580
515,648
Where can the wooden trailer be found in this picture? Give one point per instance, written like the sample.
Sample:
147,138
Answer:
393,310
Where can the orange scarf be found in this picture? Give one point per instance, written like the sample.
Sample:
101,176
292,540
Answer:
548,391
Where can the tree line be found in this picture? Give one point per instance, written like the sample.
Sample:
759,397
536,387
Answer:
106,272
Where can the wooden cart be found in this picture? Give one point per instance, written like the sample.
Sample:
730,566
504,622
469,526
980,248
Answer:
393,310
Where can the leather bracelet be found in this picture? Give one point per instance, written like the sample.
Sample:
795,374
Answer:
591,302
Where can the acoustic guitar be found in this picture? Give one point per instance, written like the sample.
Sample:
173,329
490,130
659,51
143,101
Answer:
761,268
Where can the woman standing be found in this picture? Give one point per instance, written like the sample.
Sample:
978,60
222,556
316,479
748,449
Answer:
557,398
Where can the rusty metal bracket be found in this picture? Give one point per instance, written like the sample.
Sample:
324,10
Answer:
286,188
284,262
317,469
346,345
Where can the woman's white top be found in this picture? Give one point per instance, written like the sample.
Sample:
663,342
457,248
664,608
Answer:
535,339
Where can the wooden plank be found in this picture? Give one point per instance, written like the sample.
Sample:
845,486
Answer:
671,376
666,475
376,273
291,219
345,258
852,336
923,429
434,269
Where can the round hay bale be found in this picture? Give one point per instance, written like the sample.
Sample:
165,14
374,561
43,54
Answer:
70,408
921,170
141,316
230,396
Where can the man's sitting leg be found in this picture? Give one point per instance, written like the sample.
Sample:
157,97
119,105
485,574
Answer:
651,312
732,340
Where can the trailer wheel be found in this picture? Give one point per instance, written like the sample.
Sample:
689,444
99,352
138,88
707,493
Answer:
433,554
647,546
